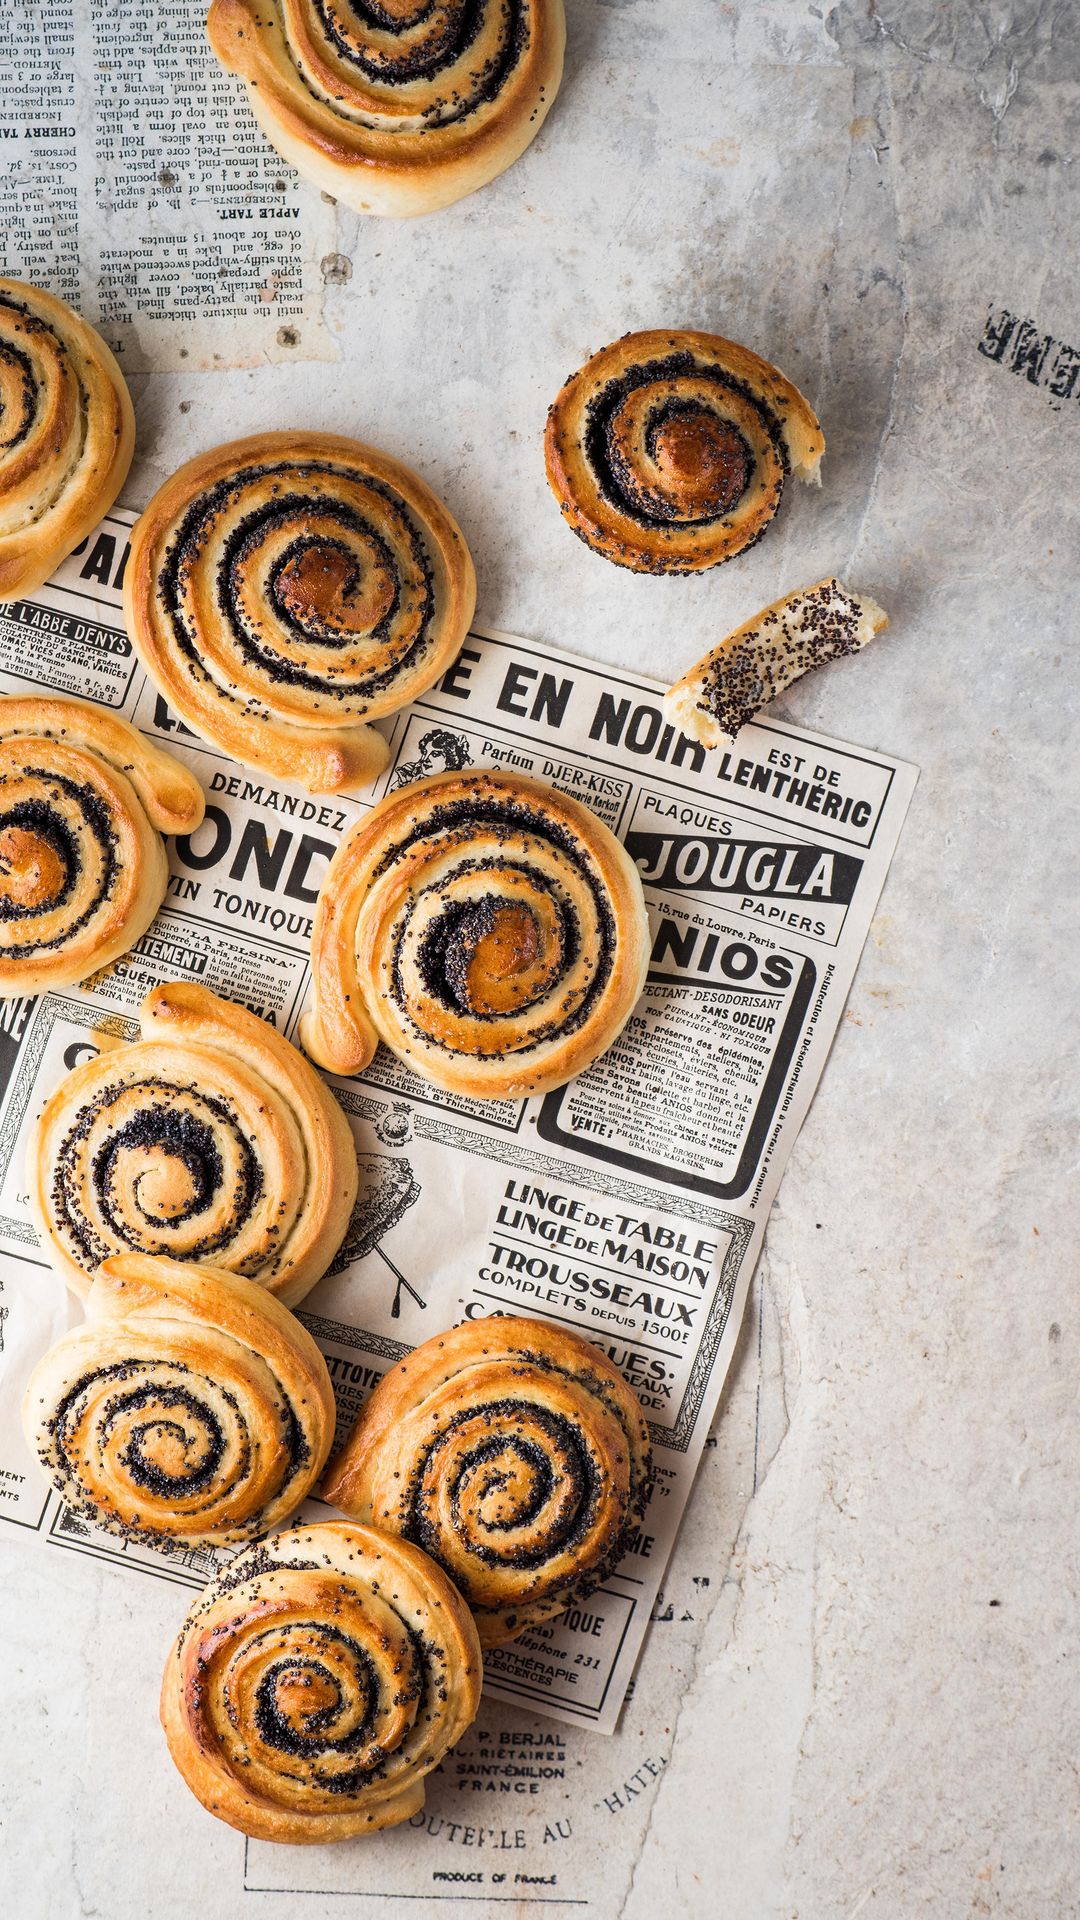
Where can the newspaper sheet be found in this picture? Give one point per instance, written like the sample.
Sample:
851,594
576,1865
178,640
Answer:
629,1205
132,186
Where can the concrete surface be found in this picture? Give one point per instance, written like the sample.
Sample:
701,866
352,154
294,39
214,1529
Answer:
874,1708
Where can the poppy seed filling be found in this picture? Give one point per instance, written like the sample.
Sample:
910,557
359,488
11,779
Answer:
448,947
14,435
554,1451
175,1133
314,1737
443,48
255,526
314,1734
444,951
37,818
619,485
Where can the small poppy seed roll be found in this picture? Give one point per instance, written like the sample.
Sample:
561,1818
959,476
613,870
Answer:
316,1683
515,1454
668,451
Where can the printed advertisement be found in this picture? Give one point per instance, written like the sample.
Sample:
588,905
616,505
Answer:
628,1205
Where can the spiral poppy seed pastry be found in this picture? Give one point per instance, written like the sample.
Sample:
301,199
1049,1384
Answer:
210,1139
84,800
191,1408
490,930
763,657
67,433
285,590
668,451
395,106
317,1682
515,1454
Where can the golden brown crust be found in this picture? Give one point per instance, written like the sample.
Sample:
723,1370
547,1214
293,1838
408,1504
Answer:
285,590
317,1682
84,800
210,1139
668,450
515,1454
753,665
489,929
404,118
191,1409
67,433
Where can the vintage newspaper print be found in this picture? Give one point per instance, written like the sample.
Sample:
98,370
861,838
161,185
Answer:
133,185
628,1205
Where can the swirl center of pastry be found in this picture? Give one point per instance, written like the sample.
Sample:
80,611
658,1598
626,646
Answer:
305,1698
321,584
160,1167
500,957
164,1448
171,1444
165,1189
404,42
703,460
494,955
319,1693
34,872
504,1487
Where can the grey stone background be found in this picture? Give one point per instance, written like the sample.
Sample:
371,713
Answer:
877,1704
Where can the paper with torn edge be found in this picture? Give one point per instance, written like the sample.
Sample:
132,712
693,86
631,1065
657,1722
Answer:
135,183
628,1205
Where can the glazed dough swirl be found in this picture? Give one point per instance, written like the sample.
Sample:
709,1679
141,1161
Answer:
668,452
191,1409
211,1139
315,1684
67,432
286,589
511,1451
487,928
395,106
84,800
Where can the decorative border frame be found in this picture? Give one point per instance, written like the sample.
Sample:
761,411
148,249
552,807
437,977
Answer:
51,1008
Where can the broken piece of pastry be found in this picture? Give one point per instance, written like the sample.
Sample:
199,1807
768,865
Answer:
765,655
